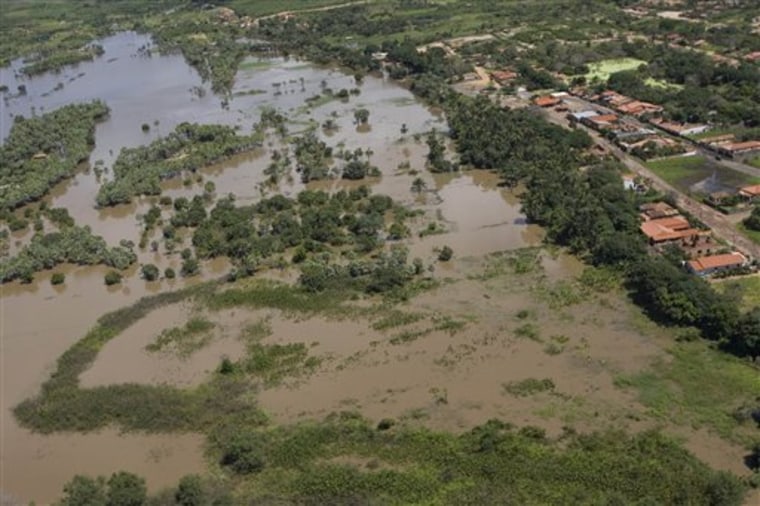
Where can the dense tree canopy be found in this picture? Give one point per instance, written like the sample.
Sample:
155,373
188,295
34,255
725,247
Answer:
42,150
73,244
140,170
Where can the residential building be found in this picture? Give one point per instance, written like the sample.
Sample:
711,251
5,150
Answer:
679,128
503,76
661,231
546,101
710,265
751,193
601,121
655,210
738,148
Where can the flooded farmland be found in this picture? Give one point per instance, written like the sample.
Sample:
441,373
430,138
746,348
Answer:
40,321
452,365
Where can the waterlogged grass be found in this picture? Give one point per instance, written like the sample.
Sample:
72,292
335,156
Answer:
272,363
396,318
63,405
561,294
685,171
291,300
699,385
521,261
680,171
256,64
528,387
257,331
528,331
185,340
394,463
440,324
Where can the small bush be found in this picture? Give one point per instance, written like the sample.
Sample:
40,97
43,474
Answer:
445,254
113,278
149,272
169,273
529,386
58,278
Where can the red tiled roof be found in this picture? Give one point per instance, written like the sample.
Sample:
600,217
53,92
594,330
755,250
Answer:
717,261
604,118
546,101
750,191
742,146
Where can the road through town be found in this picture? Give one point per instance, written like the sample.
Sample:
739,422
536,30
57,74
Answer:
718,222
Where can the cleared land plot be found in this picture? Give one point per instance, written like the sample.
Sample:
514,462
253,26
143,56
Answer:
697,174
601,70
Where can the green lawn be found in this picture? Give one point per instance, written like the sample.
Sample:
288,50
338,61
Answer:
755,162
685,171
602,69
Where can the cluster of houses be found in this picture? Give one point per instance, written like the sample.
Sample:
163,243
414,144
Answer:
727,145
629,134
664,226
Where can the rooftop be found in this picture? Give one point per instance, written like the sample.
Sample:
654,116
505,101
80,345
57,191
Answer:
750,191
668,229
732,259
742,146
546,101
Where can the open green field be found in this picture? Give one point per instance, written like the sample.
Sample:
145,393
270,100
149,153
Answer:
684,172
662,84
745,288
601,70
752,235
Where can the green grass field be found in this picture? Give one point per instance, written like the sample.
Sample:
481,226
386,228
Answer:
601,70
752,235
685,171
755,162
745,288
659,83
698,386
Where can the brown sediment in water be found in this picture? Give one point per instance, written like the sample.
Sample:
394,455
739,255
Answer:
448,381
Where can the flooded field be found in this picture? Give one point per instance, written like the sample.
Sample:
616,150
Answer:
454,364
39,321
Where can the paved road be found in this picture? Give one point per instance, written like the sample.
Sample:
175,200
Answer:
718,222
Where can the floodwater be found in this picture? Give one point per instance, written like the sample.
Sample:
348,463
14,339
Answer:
38,322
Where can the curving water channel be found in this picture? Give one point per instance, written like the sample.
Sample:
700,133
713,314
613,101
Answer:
38,322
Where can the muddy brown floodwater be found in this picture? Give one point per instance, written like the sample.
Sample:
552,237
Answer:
38,322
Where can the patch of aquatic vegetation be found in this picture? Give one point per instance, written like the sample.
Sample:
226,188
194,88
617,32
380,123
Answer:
184,340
